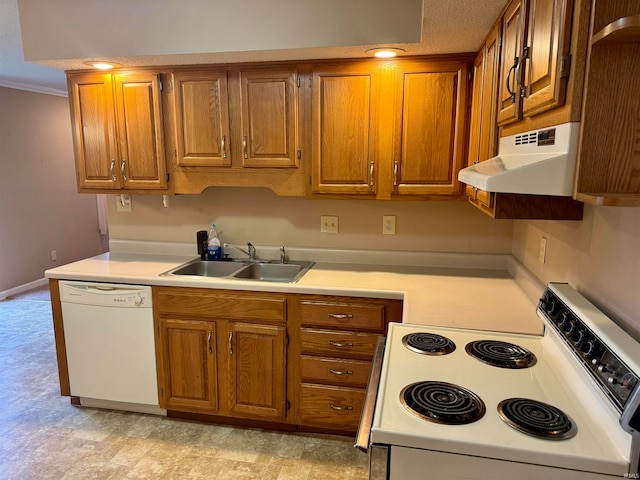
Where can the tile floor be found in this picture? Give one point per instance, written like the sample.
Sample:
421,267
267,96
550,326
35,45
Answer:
43,437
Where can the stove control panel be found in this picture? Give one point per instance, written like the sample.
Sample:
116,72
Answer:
614,377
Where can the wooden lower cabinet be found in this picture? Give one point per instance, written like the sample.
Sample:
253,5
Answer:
336,341
188,355
257,369
286,360
221,353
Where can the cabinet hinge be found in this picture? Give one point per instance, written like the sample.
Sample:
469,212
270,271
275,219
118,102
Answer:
168,175
298,82
175,154
161,86
287,405
525,53
309,179
286,339
565,65
469,76
299,154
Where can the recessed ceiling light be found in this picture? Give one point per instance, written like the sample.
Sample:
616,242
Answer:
100,65
385,52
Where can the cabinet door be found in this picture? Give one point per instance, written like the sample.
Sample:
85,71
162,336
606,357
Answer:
269,118
257,359
189,370
202,119
489,117
510,102
548,38
343,114
94,131
429,137
142,161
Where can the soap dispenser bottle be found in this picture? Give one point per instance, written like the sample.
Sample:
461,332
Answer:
214,248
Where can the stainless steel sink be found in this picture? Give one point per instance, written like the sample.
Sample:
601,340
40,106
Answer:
203,268
260,271
274,272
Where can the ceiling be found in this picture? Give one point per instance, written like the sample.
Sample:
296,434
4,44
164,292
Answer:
448,26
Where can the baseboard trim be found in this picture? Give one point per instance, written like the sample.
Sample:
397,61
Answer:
23,288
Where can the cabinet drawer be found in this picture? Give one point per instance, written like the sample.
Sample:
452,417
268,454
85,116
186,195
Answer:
232,305
335,371
342,315
331,407
338,344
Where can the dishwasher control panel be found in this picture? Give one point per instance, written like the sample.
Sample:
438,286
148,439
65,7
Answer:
106,295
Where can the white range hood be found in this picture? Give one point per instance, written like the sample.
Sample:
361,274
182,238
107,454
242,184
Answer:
539,162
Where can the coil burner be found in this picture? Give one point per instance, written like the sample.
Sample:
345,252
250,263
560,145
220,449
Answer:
442,402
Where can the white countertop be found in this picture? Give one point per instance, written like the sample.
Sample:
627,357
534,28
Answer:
477,298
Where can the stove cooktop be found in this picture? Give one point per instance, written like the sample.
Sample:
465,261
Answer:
543,374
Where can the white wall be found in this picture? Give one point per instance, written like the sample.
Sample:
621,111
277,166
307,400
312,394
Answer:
40,210
599,256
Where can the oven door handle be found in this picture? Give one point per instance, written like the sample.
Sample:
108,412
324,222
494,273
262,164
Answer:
366,418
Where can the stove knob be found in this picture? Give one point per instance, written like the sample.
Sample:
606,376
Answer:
587,348
612,381
603,368
569,328
564,318
577,337
555,308
137,300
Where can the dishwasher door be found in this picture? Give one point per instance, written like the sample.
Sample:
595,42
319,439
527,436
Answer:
108,331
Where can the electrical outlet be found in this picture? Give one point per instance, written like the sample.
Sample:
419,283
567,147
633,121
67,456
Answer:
123,203
388,224
542,254
328,224
54,255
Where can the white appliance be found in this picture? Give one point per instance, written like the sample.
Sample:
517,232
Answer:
539,162
577,385
108,332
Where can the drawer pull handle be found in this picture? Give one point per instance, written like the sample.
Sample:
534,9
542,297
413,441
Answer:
340,372
231,343
209,341
338,407
340,344
340,316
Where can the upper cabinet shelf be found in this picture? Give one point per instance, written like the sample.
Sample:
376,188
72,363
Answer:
623,30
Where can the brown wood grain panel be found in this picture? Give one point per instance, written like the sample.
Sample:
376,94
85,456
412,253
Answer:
189,365
341,344
257,362
58,332
513,24
202,118
142,162
269,118
343,315
334,407
335,371
214,304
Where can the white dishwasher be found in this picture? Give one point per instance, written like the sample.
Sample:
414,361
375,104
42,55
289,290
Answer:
108,332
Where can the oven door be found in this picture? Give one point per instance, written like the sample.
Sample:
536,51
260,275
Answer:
378,454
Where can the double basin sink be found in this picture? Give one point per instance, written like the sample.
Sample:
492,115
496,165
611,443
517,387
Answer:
253,270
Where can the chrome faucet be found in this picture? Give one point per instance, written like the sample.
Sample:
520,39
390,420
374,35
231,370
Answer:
283,257
250,252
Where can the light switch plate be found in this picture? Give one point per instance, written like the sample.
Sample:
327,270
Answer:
328,224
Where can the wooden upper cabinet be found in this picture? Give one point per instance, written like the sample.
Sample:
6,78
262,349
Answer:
188,367
257,369
118,133
269,109
536,37
140,131
429,137
513,25
343,114
201,119
94,131
546,55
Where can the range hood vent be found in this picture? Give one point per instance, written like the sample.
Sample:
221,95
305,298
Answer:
540,162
